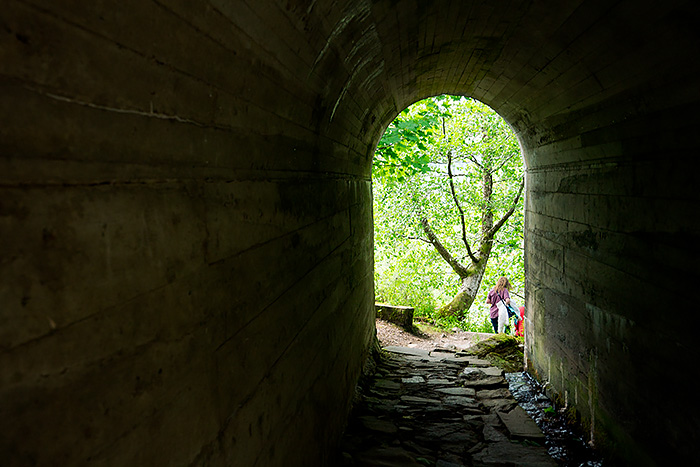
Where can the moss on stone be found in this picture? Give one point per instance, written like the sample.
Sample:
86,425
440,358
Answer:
501,350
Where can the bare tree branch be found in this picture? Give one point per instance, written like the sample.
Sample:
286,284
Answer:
471,157
490,234
419,239
459,208
454,264
503,163
476,162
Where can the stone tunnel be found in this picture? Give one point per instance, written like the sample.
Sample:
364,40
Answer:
185,210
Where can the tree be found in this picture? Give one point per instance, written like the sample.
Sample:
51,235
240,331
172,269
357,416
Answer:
471,187
403,150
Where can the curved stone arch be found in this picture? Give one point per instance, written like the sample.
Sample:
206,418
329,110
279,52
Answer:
586,99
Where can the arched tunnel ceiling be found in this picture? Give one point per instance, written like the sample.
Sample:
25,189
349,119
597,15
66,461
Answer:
537,63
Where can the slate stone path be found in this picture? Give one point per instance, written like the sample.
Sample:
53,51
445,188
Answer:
440,409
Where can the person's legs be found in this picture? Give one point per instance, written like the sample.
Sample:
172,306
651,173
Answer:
502,320
494,323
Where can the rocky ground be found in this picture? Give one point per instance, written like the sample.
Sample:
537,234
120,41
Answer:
438,408
443,399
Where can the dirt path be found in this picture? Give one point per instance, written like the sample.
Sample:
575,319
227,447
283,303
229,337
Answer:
391,334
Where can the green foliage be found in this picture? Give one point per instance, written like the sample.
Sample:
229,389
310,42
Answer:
403,149
401,276
410,181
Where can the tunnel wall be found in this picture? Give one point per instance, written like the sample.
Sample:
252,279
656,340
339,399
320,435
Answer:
185,206
605,246
186,272
607,234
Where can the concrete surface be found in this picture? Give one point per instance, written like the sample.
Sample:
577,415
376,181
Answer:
185,211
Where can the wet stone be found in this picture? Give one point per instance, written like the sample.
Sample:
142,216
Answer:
413,380
457,391
500,405
500,393
387,384
480,372
439,382
492,371
450,433
455,360
425,365
383,406
492,428
505,452
419,400
376,424
520,425
385,456
478,362
426,410
460,400
487,381
442,463
437,411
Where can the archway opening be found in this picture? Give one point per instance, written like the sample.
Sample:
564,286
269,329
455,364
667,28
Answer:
448,179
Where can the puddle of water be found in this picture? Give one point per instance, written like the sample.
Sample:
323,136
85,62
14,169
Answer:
563,443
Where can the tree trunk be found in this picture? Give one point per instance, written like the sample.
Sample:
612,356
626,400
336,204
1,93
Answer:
471,277
467,291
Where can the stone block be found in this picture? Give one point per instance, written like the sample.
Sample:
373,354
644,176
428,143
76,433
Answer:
520,426
401,315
